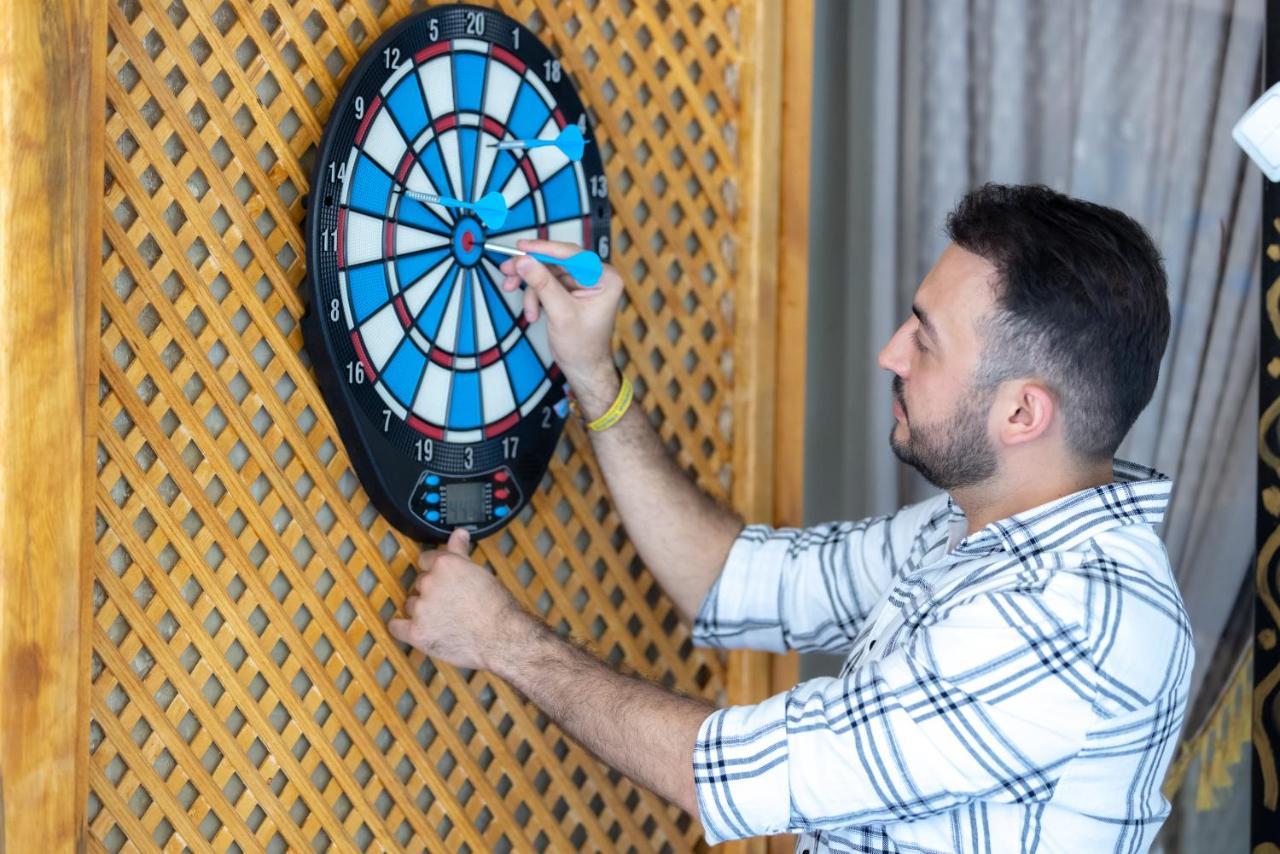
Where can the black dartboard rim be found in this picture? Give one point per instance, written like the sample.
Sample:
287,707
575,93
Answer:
385,460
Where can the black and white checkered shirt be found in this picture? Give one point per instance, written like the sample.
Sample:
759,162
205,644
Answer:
1018,689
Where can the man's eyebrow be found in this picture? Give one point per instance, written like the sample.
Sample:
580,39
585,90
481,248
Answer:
924,321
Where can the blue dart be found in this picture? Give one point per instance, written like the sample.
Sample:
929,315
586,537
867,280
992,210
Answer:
569,141
585,266
491,208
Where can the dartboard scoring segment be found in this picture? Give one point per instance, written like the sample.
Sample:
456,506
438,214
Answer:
448,400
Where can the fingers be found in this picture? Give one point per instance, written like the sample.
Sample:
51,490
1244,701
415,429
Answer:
459,542
554,248
401,629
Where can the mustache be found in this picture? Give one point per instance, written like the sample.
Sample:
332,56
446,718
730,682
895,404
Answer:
897,393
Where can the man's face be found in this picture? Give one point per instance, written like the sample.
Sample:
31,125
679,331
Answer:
941,419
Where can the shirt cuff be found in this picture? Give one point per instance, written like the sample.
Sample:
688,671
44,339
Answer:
741,609
741,771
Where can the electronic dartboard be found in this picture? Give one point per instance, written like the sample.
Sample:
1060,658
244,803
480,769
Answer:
457,134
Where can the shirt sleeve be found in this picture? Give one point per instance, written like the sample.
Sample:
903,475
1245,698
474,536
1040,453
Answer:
809,588
987,704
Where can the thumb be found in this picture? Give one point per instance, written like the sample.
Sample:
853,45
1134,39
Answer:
399,628
459,542
551,293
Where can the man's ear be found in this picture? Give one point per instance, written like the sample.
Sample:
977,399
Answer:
1025,411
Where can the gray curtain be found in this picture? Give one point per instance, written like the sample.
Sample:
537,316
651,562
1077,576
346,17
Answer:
1127,103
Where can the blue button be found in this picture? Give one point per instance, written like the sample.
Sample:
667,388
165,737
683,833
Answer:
501,511
433,498
433,515
433,480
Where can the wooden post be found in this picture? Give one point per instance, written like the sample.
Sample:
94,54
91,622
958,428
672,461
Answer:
52,67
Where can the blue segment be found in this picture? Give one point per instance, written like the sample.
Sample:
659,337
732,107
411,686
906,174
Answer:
402,372
367,287
429,319
464,401
467,151
370,187
560,195
414,212
433,498
520,217
407,107
409,268
529,114
434,164
500,511
433,515
503,165
466,343
468,77
525,370
433,480
499,313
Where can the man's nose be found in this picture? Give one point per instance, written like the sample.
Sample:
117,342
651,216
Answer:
894,356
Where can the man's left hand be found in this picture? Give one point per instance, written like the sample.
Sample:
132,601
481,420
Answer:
457,611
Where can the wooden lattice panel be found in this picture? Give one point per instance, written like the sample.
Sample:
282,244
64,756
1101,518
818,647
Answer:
245,692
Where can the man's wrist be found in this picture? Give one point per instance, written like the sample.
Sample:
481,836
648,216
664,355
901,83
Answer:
517,639
595,390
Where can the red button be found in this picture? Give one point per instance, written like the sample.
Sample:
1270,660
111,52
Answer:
500,477
501,494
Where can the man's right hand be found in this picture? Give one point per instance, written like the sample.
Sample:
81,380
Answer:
579,320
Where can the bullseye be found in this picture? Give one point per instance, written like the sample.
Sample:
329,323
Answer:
468,240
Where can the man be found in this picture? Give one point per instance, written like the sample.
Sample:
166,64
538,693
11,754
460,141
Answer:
1018,653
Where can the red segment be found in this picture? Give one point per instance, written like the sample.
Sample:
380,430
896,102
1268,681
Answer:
500,427
500,476
586,231
532,177
364,360
488,357
509,58
559,117
542,232
492,126
501,494
445,122
389,239
368,117
440,357
468,241
403,312
342,244
523,321
428,52
403,171
554,371
424,428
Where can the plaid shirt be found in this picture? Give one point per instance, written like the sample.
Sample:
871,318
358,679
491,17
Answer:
1018,689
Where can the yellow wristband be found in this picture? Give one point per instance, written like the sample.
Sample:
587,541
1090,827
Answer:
614,413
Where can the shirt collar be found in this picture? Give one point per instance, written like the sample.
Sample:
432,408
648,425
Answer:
1138,495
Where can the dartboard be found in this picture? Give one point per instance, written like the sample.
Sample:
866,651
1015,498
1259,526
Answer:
448,401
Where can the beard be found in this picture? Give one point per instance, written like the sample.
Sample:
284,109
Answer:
953,453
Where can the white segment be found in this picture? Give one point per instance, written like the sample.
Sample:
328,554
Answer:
347,182
416,336
363,236
346,299
390,401
474,45
484,163
496,392
465,363
447,337
510,341
437,83
548,159
484,326
410,239
433,394
535,81
417,294
452,162
569,231
384,143
582,186
402,69
381,334
500,92
537,335
517,188
536,398
464,437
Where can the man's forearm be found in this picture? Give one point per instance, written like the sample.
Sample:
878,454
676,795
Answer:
680,532
634,726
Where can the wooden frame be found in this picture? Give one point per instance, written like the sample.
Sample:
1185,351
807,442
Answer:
53,55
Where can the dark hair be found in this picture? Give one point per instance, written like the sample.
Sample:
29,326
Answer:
1081,305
